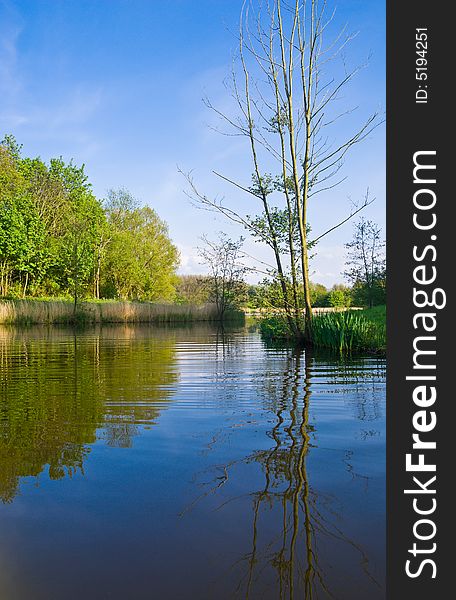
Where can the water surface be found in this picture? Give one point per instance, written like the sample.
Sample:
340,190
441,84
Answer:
187,463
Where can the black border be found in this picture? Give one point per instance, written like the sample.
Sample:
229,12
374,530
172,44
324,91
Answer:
412,127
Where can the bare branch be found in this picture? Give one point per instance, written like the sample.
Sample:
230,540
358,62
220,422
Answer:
365,204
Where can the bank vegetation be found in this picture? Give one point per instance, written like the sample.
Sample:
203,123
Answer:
24,312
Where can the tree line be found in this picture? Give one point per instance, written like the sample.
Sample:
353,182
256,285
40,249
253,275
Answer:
58,239
365,271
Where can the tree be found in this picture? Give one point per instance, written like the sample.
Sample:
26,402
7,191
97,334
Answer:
366,264
140,258
226,271
287,96
56,237
48,219
268,293
193,289
18,224
81,218
318,294
339,296
48,209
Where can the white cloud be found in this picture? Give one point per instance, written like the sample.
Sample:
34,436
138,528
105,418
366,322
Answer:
328,265
190,262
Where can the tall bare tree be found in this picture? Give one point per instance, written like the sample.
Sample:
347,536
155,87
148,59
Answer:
287,89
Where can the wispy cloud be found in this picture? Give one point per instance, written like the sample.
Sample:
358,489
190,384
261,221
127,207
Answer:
80,104
11,27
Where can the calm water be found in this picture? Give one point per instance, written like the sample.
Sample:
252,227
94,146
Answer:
187,463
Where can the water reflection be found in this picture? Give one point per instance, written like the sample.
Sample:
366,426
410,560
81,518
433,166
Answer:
55,396
255,472
286,483
298,521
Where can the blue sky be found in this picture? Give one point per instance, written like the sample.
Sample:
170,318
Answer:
118,85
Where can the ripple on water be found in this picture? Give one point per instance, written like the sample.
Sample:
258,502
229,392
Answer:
129,454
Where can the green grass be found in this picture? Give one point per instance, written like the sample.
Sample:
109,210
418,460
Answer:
343,332
377,314
43,311
351,331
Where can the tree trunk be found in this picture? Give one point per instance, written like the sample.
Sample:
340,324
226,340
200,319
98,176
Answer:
25,284
97,278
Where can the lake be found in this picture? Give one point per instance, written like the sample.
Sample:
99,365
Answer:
139,462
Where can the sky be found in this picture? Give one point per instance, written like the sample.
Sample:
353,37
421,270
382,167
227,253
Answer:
119,85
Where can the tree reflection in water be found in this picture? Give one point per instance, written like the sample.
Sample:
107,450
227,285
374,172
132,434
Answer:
61,391
302,517
288,500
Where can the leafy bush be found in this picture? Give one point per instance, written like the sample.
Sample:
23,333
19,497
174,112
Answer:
374,296
339,296
275,327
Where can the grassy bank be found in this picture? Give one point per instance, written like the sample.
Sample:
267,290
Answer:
62,312
344,332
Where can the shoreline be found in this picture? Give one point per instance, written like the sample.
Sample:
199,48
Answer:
57,312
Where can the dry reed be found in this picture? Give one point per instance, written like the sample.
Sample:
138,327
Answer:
61,311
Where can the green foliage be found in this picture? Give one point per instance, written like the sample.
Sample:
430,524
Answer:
318,294
275,328
348,331
57,238
279,221
373,295
344,332
9,143
140,258
268,294
193,289
340,296
81,221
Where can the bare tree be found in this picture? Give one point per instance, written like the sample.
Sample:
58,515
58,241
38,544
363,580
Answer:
366,259
287,96
226,271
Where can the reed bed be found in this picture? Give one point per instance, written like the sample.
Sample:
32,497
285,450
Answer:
147,312
343,331
61,311
30,311
348,331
